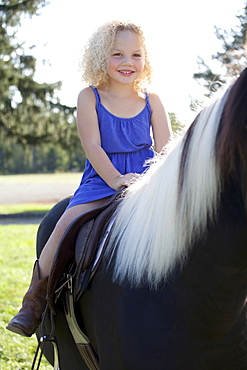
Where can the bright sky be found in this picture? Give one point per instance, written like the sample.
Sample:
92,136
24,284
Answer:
177,32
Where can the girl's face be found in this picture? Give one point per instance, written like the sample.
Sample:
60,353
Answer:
127,59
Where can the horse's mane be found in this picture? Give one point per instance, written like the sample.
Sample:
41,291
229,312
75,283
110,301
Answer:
169,208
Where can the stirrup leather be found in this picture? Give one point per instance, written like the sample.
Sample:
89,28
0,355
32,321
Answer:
82,341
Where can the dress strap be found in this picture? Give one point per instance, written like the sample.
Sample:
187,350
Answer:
96,93
148,102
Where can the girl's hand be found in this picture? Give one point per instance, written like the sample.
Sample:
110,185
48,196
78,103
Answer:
125,180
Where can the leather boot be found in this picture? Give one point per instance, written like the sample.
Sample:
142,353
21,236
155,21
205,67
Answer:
33,305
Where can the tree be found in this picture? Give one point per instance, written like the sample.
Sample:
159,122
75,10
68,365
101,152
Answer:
30,112
233,57
177,126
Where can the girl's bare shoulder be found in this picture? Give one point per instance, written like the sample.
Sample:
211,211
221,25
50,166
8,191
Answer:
86,104
154,99
86,95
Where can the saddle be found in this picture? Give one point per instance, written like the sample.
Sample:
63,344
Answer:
78,256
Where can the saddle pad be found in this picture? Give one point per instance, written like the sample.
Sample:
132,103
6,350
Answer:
90,245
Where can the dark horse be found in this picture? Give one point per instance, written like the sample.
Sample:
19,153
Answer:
171,290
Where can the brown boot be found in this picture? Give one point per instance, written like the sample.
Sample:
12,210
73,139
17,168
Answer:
29,317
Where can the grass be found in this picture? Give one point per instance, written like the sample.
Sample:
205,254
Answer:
8,209
17,255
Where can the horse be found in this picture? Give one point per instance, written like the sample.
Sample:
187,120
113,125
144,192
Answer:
170,292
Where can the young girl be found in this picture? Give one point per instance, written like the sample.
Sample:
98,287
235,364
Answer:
114,116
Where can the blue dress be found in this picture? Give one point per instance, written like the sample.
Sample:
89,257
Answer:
127,142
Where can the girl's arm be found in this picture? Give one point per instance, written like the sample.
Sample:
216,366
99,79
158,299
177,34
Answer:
161,126
88,128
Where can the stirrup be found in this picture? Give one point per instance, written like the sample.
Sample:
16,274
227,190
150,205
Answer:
43,340
41,347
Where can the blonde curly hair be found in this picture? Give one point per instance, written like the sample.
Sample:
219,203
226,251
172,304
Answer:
97,52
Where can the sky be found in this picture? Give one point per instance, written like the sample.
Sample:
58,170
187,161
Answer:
177,32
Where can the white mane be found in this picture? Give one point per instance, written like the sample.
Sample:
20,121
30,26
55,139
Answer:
155,225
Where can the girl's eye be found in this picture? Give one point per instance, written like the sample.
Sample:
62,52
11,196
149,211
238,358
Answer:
117,54
137,55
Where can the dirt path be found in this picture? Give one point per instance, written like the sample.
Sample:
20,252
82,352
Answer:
34,189
25,193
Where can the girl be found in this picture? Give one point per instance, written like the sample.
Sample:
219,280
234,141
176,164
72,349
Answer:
114,116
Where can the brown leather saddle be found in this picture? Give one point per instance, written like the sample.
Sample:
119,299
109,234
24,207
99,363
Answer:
76,261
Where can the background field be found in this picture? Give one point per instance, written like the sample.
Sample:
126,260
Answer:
17,255
49,178
37,188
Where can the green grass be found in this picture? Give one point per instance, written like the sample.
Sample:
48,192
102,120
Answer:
17,255
8,209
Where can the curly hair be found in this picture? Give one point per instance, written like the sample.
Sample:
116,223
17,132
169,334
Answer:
97,51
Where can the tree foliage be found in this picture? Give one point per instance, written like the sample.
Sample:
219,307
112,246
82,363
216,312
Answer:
232,58
177,126
30,112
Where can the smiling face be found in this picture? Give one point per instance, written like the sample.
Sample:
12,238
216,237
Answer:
127,60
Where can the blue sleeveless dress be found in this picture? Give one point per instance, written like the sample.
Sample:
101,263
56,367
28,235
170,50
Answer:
127,142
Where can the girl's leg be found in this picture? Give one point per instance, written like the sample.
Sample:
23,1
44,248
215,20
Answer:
49,250
29,317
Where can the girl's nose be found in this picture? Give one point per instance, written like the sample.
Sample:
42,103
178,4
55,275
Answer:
127,61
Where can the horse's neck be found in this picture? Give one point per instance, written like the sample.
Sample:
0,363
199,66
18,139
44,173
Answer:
160,218
155,224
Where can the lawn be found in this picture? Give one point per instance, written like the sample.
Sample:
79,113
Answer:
17,254
8,209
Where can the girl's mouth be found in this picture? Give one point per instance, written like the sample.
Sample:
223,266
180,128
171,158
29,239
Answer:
126,72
